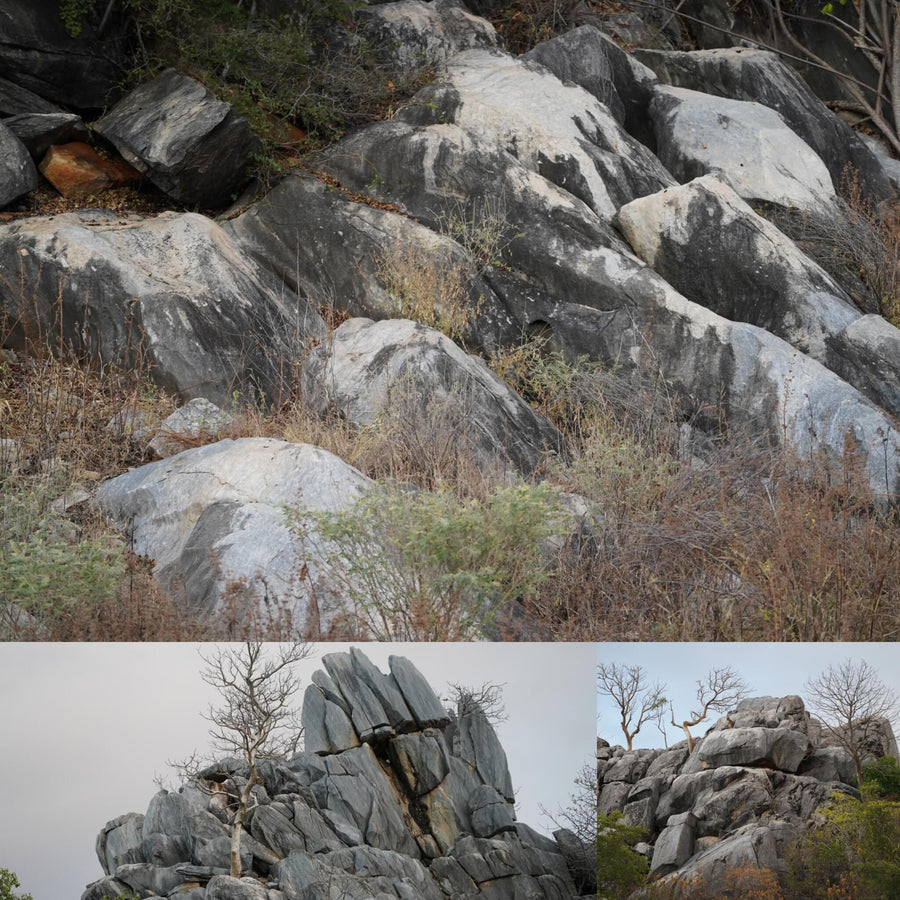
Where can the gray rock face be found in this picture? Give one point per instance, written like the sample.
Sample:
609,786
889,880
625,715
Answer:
18,175
557,130
39,131
753,784
762,77
120,842
174,289
191,145
195,420
745,144
402,816
412,33
415,372
216,514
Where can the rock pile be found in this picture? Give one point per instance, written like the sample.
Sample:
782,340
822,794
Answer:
393,797
750,787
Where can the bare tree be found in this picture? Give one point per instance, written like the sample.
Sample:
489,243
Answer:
488,697
851,701
256,719
719,691
637,702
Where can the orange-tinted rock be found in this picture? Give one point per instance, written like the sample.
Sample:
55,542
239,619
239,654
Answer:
76,170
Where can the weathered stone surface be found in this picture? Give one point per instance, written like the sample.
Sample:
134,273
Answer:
18,175
275,831
120,842
415,372
778,748
421,699
188,143
491,813
828,764
372,718
674,846
224,887
39,131
198,421
145,879
588,57
18,101
477,743
215,514
747,145
106,889
763,77
77,171
326,727
422,759
173,292
412,33
557,130
38,53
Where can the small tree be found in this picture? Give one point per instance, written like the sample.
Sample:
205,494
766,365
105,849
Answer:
851,701
488,697
636,701
721,689
8,881
256,719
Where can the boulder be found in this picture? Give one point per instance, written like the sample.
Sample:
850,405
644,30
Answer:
568,275
745,144
674,846
557,130
418,376
420,698
18,175
145,879
107,888
39,54
198,421
120,842
491,814
422,759
173,293
587,57
225,887
77,171
476,743
39,131
326,727
215,516
191,145
763,77
17,101
413,34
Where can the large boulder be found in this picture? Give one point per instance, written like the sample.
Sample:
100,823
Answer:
213,520
38,53
412,33
763,77
557,130
190,144
753,273
173,293
416,374
39,131
777,748
18,175
745,144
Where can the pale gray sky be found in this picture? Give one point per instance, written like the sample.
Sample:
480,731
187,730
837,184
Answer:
770,669
84,729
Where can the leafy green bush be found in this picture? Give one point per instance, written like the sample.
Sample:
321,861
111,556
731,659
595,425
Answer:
423,565
881,779
620,870
8,881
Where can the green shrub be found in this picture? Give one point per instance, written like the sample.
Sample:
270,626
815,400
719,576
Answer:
620,870
881,779
8,881
425,565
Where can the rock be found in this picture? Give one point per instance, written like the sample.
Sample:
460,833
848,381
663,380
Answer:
420,698
763,77
225,887
747,145
107,888
145,879
753,272
589,58
829,764
198,421
556,130
18,101
326,727
476,743
491,814
413,34
190,145
423,760
39,131
339,250
173,292
40,55
216,515
674,846
417,375
275,831
77,171
120,842
18,175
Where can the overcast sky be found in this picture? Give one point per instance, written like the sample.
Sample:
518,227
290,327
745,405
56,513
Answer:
775,670
85,728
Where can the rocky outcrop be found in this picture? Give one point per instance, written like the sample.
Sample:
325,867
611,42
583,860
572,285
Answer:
393,796
17,173
750,787
188,143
